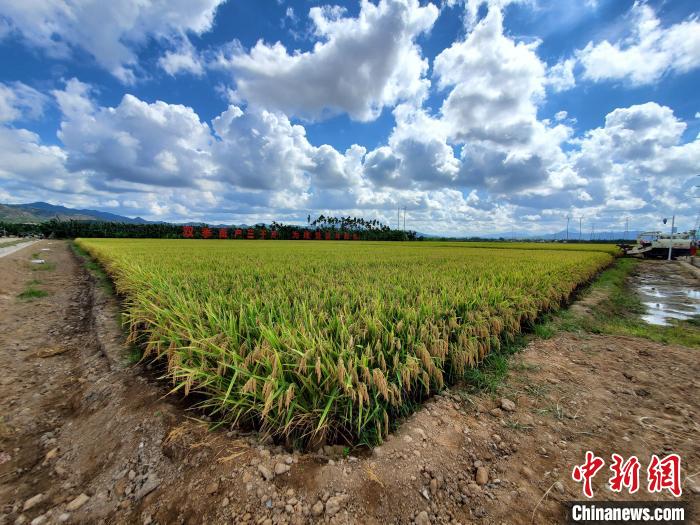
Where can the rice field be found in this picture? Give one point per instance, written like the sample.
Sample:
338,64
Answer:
330,341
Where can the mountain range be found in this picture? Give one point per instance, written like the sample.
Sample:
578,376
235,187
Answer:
43,211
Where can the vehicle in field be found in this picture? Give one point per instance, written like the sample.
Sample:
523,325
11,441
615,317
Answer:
655,245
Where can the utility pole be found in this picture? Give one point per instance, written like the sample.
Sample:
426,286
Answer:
670,245
627,227
404,218
580,226
398,218
568,218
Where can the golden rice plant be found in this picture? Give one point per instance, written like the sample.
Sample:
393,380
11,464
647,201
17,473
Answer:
314,341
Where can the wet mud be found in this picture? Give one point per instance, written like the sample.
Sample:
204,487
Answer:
668,291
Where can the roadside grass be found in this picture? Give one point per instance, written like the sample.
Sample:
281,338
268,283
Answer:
31,292
134,355
618,313
493,370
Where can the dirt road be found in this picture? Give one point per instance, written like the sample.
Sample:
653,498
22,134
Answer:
85,438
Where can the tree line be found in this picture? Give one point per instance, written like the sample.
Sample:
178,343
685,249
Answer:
371,230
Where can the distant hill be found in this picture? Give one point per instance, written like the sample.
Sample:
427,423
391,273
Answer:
587,236
43,211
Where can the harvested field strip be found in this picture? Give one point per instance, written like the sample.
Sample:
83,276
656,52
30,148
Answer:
329,341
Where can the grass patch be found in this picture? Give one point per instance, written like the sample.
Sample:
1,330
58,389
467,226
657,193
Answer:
619,313
517,426
32,293
134,355
493,370
543,330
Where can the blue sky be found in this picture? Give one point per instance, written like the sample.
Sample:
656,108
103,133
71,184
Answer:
477,116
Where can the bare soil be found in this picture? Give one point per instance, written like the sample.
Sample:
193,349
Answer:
86,438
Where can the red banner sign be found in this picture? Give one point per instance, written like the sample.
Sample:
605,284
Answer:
189,232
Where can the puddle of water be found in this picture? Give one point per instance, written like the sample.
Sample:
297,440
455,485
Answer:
666,294
659,314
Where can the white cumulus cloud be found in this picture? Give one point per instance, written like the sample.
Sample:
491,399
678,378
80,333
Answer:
18,100
358,66
495,87
183,59
649,52
638,159
134,142
109,31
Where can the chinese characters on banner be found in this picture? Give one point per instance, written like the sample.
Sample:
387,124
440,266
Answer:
188,232
662,474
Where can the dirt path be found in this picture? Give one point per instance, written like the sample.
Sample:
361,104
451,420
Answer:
96,441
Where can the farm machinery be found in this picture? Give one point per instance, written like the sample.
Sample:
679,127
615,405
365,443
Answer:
655,245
